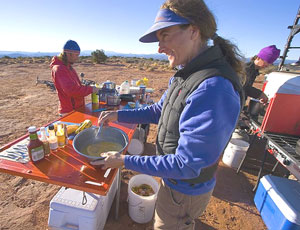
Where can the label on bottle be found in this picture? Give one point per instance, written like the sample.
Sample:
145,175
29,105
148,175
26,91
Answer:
33,136
53,145
61,141
37,153
46,147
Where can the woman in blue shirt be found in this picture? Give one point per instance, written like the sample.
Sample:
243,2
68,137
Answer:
196,115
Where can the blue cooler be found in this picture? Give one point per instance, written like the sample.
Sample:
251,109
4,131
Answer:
278,201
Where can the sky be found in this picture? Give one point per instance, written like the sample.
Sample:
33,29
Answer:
117,25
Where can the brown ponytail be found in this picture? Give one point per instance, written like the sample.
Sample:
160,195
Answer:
199,15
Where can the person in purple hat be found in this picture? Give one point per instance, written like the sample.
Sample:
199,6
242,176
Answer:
196,115
263,59
69,89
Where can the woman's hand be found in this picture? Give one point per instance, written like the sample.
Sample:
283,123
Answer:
107,116
263,98
113,160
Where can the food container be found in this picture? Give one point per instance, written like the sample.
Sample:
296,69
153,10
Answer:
88,137
113,100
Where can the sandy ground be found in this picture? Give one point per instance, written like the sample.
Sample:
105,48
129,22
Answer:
24,204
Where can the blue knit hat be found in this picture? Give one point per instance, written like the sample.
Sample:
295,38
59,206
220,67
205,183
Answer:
71,46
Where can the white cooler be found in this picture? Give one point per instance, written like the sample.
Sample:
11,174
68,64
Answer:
68,213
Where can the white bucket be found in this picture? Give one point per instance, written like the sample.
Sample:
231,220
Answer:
235,152
141,208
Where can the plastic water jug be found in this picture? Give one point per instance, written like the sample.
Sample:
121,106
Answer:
125,88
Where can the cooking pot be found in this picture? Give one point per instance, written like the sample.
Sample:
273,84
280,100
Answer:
109,85
255,107
88,137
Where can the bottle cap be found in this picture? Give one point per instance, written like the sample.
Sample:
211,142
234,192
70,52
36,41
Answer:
32,129
51,127
42,128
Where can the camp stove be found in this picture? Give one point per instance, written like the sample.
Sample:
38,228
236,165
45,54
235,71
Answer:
283,148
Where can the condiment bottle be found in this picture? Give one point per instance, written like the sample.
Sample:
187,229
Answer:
142,93
43,138
52,138
95,97
60,133
35,147
66,133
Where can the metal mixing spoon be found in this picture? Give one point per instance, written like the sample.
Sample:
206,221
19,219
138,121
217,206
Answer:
99,130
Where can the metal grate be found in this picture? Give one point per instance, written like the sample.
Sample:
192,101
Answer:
285,144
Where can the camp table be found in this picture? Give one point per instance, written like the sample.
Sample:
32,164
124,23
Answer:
67,168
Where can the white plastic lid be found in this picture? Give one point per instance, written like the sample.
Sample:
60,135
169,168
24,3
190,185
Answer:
136,147
32,129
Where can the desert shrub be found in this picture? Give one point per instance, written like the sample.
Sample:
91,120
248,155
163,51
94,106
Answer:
150,69
98,56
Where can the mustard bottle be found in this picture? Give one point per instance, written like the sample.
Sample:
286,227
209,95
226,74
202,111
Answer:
60,134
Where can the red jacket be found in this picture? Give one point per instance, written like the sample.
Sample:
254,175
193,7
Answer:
68,86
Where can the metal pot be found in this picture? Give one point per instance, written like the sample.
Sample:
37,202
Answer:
108,134
113,100
109,85
255,107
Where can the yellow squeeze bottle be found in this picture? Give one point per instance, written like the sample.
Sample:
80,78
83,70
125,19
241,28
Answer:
60,134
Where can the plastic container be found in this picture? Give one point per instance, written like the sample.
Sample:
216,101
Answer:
278,201
125,88
135,147
235,152
45,141
141,208
67,211
35,147
60,133
52,138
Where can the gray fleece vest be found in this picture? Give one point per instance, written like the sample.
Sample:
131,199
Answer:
209,64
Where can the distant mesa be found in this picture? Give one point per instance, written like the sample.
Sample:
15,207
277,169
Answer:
15,54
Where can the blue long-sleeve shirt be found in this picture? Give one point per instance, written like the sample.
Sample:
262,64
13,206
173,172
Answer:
205,126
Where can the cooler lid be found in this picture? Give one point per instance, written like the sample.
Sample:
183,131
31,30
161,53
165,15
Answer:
67,198
286,195
282,82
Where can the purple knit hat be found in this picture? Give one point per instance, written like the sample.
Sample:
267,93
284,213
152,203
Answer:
269,54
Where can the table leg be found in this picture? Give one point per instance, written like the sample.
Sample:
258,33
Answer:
260,170
274,168
118,194
244,158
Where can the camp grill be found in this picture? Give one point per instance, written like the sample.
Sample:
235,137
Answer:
279,126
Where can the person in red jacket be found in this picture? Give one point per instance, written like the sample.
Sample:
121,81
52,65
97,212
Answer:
69,89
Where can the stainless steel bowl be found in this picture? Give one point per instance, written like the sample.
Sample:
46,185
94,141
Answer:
108,134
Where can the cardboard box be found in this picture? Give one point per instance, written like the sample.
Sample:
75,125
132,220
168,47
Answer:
68,211
278,201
